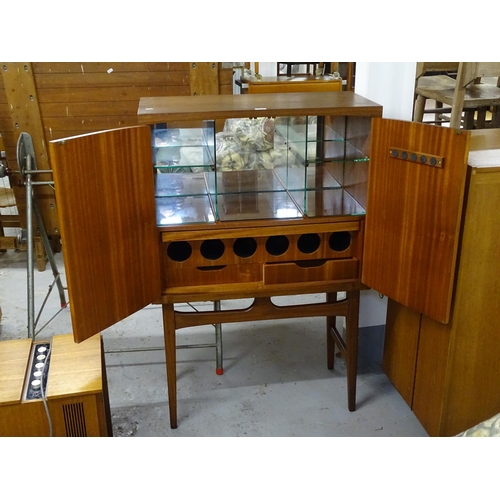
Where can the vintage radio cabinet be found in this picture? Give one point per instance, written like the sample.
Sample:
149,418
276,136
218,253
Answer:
75,383
256,196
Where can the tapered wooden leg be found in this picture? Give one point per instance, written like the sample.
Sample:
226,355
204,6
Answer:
171,361
438,115
330,343
418,112
352,323
480,119
469,115
495,118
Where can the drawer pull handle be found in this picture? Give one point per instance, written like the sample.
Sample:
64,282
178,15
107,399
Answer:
310,263
210,268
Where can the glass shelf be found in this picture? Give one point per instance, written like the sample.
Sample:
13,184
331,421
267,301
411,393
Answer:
255,168
328,202
183,149
184,210
179,184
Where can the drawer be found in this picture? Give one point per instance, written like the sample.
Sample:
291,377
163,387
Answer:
212,275
311,271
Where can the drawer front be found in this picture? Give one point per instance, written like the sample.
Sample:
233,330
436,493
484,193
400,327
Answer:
215,275
301,272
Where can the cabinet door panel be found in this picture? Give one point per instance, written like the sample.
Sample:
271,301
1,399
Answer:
414,213
105,196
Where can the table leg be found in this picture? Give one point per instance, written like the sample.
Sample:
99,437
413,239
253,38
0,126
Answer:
352,323
171,361
219,369
330,343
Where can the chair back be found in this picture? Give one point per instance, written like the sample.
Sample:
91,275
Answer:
427,67
469,72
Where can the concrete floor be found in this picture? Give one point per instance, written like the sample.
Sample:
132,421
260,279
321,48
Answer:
275,380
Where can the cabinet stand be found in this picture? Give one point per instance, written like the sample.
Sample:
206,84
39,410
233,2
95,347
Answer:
263,308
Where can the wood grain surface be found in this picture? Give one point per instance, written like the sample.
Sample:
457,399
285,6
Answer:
413,215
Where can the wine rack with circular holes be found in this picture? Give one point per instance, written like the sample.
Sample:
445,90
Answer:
289,254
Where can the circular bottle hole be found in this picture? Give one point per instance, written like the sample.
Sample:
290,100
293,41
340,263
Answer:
277,245
179,251
340,241
244,247
212,249
308,243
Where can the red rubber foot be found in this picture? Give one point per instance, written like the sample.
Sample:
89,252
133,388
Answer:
219,371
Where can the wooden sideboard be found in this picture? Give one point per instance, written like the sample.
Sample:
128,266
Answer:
277,84
448,373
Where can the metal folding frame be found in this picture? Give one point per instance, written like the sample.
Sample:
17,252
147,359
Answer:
26,160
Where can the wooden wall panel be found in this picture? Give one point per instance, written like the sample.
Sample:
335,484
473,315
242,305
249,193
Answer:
22,99
225,80
75,98
6,125
4,110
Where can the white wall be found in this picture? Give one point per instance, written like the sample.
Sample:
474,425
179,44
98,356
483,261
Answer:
268,68
389,84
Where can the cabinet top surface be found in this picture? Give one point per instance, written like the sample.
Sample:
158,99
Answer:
74,368
14,356
484,152
161,109
485,159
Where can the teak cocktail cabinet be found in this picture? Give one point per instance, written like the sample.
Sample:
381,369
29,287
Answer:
259,196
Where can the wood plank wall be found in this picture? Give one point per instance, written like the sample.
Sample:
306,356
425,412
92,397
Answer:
6,126
76,98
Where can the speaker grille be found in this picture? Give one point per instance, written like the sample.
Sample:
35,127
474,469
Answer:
74,420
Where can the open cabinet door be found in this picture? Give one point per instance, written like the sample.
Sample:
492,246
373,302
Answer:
416,188
105,199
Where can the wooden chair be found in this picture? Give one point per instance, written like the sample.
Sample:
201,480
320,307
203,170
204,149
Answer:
429,77
475,92
290,68
7,200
